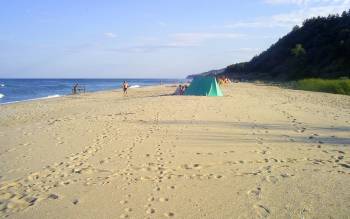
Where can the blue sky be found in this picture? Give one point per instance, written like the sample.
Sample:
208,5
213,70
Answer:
142,39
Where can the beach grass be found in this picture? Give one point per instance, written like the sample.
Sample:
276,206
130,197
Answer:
336,86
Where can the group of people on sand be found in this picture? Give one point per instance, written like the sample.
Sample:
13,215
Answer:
180,90
223,80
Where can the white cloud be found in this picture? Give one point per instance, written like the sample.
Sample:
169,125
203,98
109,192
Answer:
246,49
177,40
259,23
306,9
307,2
110,35
195,39
298,16
162,24
297,2
145,48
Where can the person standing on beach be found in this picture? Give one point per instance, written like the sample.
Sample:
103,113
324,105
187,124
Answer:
75,88
125,87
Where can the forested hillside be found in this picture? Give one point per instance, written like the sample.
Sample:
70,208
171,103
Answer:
319,48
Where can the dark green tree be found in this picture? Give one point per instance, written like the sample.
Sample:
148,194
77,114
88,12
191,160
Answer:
298,50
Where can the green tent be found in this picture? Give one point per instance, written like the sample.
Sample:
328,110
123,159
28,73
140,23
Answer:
204,86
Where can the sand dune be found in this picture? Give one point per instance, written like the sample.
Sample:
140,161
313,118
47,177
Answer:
259,152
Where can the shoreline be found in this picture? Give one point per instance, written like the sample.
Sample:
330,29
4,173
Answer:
34,99
88,92
264,83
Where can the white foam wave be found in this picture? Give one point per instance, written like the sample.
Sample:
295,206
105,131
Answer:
40,98
135,86
51,96
1,95
2,85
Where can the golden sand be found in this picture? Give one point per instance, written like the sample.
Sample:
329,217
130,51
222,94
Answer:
259,152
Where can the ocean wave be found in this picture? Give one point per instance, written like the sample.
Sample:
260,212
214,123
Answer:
1,95
51,96
135,86
33,99
2,85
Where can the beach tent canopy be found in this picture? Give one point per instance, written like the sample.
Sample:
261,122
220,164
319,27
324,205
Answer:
204,86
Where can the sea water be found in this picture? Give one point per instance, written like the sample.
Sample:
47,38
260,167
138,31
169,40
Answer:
14,90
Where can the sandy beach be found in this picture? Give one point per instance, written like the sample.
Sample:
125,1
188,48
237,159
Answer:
258,152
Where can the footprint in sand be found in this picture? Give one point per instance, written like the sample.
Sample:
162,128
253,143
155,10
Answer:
163,199
262,211
53,196
271,179
123,216
171,187
156,189
150,211
344,165
128,209
255,192
169,214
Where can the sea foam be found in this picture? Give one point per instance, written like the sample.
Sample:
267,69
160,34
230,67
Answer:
135,86
51,96
1,95
39,98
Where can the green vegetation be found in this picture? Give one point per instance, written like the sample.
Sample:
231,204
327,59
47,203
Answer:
320,48
337,86
298,50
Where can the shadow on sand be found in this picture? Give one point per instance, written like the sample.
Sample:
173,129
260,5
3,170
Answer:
223,131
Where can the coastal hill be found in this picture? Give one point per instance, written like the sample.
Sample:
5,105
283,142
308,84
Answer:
320,48
208,73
